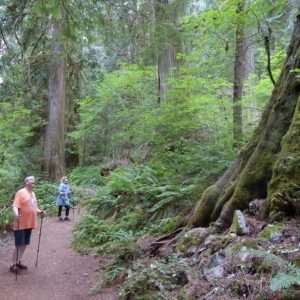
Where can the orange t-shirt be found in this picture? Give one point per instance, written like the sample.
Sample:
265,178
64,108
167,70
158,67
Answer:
26,202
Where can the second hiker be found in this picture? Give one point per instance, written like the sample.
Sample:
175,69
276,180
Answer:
63,198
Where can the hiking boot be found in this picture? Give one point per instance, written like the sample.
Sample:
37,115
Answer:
14,269
21,266
67,218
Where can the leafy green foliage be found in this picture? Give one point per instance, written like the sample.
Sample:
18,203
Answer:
106,236
134,201
285,280
6,217
143,188
124,119
46,193
86,176
288,274
16,130
125,95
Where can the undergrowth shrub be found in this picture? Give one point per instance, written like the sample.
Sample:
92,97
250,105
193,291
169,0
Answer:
136,200
46,193
6,217
286,273
105,236
284,280
10,178
154,280
141,189
86,176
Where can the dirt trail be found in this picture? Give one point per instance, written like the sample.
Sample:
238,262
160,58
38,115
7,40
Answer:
62,274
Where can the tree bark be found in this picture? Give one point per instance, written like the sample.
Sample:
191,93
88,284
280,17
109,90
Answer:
240,68
284,188
72,117
54,156
258,170
166,50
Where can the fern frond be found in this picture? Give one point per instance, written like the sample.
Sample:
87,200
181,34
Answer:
284,280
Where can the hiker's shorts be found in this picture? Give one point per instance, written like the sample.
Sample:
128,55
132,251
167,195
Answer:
22,237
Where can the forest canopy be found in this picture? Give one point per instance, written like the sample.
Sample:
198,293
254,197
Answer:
177,86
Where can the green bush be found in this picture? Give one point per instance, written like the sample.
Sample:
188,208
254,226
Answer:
135,201
288,274
6,217
86,176
9,181
107,237
46,193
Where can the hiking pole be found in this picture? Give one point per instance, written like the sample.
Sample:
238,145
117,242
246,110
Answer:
73,212
17,247
39,242
78,210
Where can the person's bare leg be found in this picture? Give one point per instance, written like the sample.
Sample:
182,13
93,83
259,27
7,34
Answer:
15,258
21,252
18,254
15,254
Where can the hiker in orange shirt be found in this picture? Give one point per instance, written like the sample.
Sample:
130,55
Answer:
25,210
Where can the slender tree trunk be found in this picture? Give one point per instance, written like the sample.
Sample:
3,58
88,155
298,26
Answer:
269,165
72,117
240,69
166,61
54,156
166,50
82,152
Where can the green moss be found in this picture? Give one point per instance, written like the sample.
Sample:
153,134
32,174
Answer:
248,243
194,237
216,242
284,188
204,207
270,230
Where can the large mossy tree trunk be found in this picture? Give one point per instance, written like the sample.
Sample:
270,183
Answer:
269,164
54,155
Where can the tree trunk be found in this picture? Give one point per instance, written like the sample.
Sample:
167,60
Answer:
166,50
54,157
240,68
284,188
72,117
269,165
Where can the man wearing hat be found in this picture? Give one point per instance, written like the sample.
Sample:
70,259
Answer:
25,209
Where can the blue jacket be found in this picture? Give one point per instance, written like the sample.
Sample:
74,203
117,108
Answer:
64,194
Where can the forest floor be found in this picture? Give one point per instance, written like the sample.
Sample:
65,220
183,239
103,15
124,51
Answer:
62,274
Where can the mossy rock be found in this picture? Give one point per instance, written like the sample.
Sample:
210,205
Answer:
236,248
216,242
192,238
239,224
194,290
250,243
270,230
